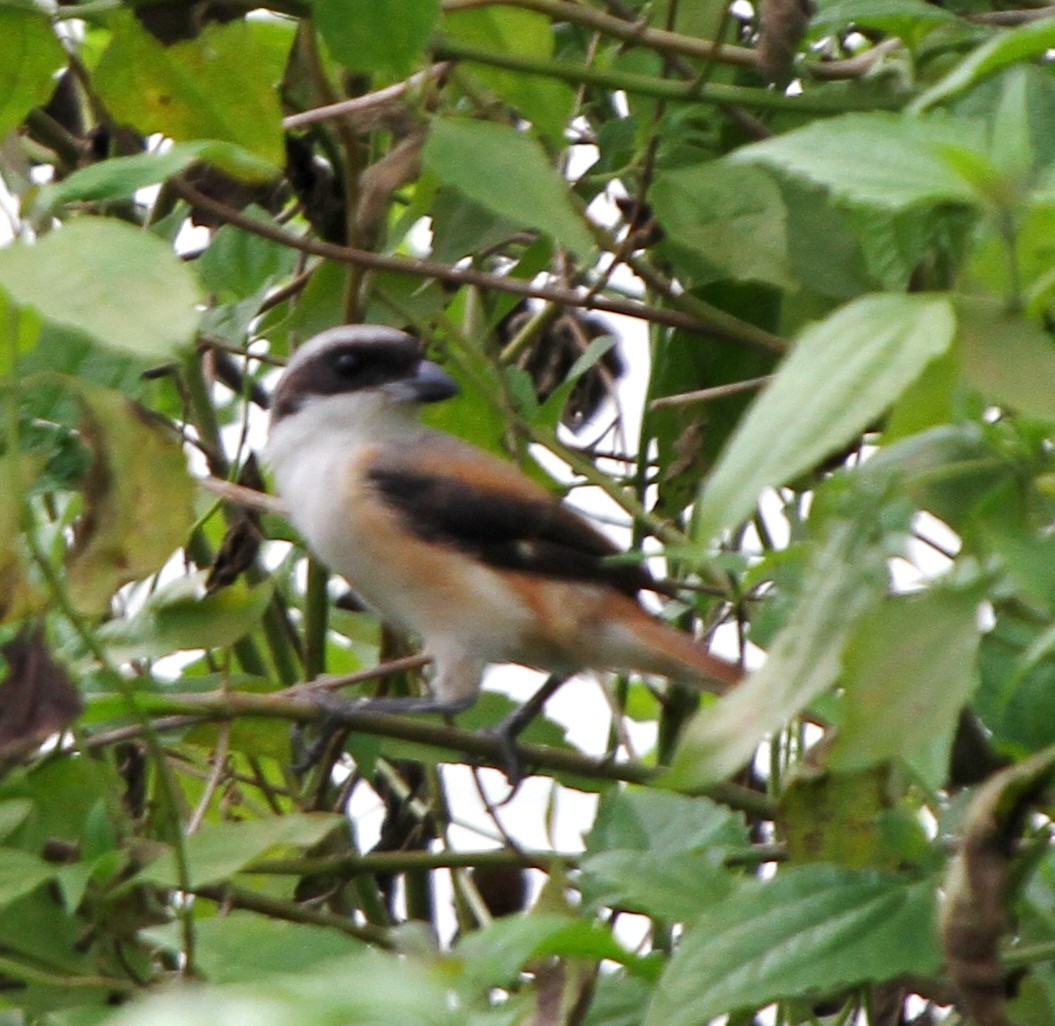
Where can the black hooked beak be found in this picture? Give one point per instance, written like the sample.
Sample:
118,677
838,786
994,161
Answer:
430,383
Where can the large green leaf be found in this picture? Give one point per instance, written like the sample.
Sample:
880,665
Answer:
842,374
875,159
909,669
31,55
659,853
240,946
386,36
722,222
809,931
121,285
846,575
219,850
219,85
507,172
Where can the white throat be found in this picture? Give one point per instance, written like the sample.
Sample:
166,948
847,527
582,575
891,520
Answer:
336,425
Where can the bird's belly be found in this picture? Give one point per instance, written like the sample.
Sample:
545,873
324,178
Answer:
430,589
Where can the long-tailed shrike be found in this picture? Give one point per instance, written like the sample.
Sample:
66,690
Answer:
447,541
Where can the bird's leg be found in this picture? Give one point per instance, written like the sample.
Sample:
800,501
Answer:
512,726
338,710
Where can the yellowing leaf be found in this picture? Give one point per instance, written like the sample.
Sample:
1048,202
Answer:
219,85
138,499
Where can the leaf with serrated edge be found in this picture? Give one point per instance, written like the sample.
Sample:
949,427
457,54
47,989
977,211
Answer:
807,932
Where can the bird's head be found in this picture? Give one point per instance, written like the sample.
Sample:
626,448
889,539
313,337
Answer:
374,368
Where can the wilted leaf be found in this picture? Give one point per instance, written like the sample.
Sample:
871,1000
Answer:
842,374
32,54
138,499
782,24
119,284
37,698
507,172
974,912
807,932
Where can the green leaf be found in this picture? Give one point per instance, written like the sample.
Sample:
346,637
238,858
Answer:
659,853
875,159
544,101
20,872
138,477
847,573
181,616
1006,357
842,374
494,956
220,850
219,85
809,931
908,19
238,264
32,54
908,670
121,177
722,221
244,946
384,36
119,284
13,812
507,172
1006,47
370,989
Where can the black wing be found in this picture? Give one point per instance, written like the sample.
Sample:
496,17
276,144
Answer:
515,532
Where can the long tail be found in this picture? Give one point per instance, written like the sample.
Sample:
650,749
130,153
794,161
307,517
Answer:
638,641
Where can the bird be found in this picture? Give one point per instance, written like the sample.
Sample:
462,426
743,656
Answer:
447,541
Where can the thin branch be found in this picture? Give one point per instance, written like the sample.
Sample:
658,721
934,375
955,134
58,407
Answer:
634,32
704,395
297,705
746,335
367,102
293,911
647,85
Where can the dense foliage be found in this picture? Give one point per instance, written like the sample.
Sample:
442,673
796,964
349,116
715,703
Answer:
825,237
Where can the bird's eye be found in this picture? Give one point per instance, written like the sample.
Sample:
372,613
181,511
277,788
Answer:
346,364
